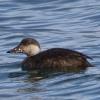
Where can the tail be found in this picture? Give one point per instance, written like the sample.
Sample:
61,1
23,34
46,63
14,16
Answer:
85,56
88,57
88,64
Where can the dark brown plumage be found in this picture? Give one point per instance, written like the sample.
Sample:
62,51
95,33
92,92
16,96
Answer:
55,59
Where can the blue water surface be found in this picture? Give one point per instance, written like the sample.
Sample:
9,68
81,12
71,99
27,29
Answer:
73,24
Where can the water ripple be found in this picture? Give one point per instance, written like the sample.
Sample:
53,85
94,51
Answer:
70,24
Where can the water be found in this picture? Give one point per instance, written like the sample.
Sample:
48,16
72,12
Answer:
73,24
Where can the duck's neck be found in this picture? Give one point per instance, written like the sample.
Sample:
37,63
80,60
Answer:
33,51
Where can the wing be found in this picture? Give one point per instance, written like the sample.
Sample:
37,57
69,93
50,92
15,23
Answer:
56,59
56,52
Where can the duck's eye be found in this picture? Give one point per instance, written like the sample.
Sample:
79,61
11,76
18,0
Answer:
20,50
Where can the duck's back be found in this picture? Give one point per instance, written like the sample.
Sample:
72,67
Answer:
56,59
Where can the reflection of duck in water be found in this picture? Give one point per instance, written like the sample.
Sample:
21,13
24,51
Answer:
55,59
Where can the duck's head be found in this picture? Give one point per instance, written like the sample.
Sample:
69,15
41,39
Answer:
27,46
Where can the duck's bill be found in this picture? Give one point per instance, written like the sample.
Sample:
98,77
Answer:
15,50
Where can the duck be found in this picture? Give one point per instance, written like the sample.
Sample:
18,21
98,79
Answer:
53,59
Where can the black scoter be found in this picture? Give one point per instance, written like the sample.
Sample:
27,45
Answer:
60,59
